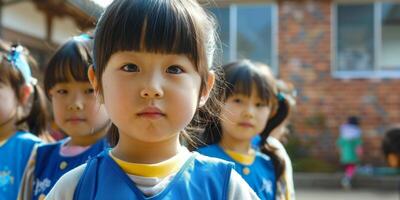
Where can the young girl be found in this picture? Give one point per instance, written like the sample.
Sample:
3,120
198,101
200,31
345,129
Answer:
151,71
16,87
249,101
350,147
76,113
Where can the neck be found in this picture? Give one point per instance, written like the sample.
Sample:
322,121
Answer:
137,151
230,143
88,140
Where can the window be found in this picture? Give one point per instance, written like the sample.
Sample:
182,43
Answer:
248,31
367,40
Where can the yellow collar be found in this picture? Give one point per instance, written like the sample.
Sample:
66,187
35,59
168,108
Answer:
245,159
159,170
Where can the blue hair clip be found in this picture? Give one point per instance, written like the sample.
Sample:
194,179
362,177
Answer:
82,37
18,61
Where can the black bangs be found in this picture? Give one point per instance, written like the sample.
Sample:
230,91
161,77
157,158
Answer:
69,63
243,76
158,27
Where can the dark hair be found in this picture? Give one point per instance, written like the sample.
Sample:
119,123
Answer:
10,74
239,78
353,120
155,26
391,141
70,62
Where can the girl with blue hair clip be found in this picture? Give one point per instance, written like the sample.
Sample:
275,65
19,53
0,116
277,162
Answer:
76,112
18,93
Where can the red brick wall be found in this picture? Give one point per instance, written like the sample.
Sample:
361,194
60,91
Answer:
324,102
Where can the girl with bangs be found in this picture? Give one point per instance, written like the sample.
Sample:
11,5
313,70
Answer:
19,94
76,112
151,72
249,102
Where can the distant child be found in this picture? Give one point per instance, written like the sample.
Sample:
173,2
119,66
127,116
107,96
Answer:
76,112
249,102
151,72
391,146
16,88
349,143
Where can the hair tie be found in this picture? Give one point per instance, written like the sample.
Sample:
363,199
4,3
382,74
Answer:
281,96
18,60
82,38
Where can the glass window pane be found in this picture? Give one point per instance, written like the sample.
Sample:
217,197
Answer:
355,37
390,55
254,33
222,18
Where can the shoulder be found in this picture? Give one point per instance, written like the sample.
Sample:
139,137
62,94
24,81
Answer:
207,150
65,186
204,159
239,189
27,137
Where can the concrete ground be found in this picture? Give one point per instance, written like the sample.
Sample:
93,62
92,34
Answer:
338,194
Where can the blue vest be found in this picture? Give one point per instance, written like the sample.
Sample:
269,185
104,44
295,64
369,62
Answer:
261,176
50,165
14,155
200,177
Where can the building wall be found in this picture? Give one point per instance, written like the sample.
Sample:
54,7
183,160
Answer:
324,102
25,18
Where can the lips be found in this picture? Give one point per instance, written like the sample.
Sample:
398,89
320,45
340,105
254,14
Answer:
246,124
151,113
75,119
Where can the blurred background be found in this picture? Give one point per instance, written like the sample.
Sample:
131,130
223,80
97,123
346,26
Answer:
343,58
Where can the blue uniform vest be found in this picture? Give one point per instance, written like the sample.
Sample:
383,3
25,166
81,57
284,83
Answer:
200,177
261,176
14,155
50,165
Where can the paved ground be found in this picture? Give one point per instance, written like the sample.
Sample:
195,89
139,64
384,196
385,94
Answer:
337,194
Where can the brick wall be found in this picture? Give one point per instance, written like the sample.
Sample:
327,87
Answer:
324,102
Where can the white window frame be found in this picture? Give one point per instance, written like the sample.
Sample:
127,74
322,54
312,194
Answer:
376,73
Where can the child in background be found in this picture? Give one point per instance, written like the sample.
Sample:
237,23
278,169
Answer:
16,87
151,72
391,146
349,143
76,113
249,102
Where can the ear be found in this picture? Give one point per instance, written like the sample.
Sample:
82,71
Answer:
93,81
25,92
206,91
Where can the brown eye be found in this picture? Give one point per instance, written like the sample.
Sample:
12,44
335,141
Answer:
130,68
174,69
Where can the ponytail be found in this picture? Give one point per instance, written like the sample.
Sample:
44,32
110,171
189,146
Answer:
113,135
37,119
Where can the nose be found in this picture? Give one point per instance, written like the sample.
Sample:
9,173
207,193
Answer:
76,104
248,112
152,89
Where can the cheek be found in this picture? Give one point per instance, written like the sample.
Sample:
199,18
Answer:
58,110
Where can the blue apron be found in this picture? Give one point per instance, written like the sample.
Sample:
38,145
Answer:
200,177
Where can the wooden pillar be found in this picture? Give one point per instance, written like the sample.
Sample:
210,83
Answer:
49,27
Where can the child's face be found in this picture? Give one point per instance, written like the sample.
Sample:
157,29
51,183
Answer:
8,105
150,97
243,117
393,160
76,110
